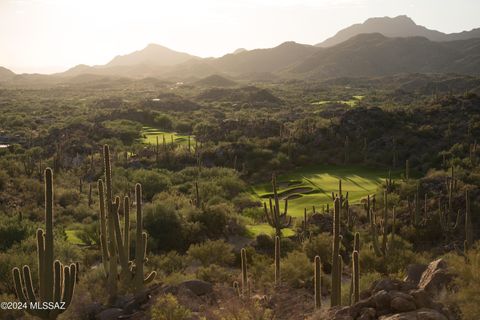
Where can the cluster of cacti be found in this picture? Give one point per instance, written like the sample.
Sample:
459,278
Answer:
274,217
446,212
386,245
115,246
56,282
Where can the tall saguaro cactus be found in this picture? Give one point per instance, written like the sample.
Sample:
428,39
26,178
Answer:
115,246
56,282
336,275
273,216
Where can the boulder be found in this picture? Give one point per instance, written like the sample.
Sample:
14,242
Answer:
421,314
435,278
198,287
414,273
367,314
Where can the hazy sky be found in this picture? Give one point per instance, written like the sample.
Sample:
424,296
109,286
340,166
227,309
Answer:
53,35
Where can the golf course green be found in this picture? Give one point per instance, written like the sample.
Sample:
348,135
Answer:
312,186
150,135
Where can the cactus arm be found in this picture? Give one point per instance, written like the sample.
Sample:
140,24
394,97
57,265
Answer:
57,291
70,274
41,261
27,276
17,282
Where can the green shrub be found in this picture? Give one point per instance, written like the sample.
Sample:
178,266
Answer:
214,274
297,269
212,252
152,182
213,219
12,231
167,308
320,245
165,227
168,263
394,263
467,295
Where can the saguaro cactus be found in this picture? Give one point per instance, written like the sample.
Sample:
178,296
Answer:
318,283
115,247
273,216
356,278
56,282
336,276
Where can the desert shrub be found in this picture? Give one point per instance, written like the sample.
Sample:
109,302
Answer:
91,289
164,122
168,263
165,227
3,179
255,213
88,233
167,308
297,269
152,182
19,255
6,313
12,231
467,295
260,267
394,262
244,201
214,274
213,219
212,252
320,245
67,197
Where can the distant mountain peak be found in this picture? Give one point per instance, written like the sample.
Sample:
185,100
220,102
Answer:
400,26
239,50
152,54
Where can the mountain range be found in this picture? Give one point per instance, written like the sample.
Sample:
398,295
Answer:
377,47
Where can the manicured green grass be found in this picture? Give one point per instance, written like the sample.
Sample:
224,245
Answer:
352,102
150,135
255,230
72,237
312,186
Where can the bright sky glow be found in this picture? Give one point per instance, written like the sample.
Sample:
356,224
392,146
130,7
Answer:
48,36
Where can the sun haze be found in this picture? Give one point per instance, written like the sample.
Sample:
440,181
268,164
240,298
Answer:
47,36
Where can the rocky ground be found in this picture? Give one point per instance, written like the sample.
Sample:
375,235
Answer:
414,298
